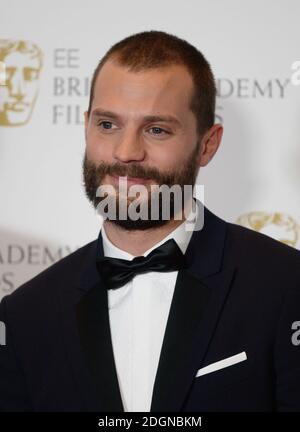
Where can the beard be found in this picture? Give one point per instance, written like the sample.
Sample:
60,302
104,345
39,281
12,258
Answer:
184,175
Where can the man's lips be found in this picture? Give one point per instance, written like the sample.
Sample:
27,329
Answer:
130,180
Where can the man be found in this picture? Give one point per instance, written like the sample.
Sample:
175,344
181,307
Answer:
152,316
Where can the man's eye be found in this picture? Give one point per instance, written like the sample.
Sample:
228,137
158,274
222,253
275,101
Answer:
157,130
106,124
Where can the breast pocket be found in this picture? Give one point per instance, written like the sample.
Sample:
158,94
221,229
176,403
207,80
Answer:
225,372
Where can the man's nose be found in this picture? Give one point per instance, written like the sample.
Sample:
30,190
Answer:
130,147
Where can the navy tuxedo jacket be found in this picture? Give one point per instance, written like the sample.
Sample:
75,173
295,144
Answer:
239,294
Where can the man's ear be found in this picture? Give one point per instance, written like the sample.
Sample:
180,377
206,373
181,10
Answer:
210,143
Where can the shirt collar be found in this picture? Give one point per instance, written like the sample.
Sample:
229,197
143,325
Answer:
181,235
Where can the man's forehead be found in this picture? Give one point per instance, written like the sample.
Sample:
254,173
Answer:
173,74
154,89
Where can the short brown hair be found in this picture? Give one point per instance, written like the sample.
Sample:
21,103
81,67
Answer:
154,49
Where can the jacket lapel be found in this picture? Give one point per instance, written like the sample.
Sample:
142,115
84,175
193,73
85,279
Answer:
199,296
193,316
85,325
94,330
93,325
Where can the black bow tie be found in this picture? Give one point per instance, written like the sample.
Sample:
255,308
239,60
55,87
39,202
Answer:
117,272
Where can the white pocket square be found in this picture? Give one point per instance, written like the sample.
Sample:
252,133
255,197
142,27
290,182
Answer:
229,361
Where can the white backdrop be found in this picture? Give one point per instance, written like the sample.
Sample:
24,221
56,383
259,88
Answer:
254,179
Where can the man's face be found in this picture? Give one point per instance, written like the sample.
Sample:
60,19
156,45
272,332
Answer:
21,88
124,139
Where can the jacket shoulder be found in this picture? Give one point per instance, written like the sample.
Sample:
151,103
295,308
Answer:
262,251
67,271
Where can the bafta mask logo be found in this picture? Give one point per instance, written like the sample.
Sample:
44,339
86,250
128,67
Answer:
21,66
280,226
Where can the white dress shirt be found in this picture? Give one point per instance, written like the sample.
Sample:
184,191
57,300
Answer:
138,313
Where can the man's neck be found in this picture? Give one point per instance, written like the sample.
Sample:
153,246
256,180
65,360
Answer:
136,242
